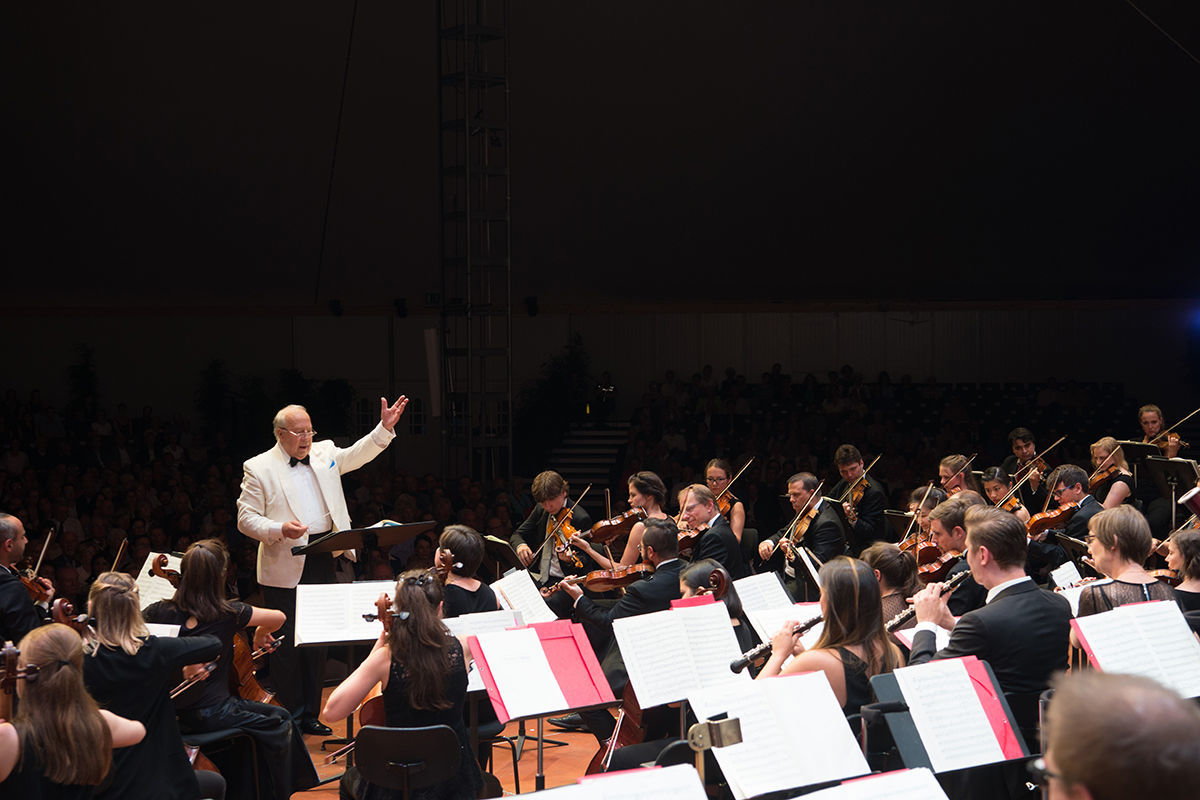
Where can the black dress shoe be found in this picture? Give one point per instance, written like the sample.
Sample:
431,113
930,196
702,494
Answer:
314,727
571,722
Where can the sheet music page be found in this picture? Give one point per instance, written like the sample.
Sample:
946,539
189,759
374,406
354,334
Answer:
518,592
483,622
905,784
762,591
763,761
1066,575
1170,639
572,791
152,588
679,782
821,742
949,717
522,674
474,679
162,630
711,643
333,612
1073,593
810,565
767,622
651,646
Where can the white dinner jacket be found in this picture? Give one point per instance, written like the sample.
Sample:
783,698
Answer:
264,505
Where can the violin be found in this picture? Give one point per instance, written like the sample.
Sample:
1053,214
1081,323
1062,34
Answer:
854,494
1101,475
604,580
793,539
688,536
38,592
1170,577
726,498
1048,520
562,532
1171,440
938,568
1011,505
608,530
1035,464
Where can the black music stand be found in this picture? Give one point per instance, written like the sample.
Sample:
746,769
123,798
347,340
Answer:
899,521
1136,454
386,536
502,553
1169,475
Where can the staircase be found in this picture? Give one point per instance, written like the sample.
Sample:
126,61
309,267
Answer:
589,454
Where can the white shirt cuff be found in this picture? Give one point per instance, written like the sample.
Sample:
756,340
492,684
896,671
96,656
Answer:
932,627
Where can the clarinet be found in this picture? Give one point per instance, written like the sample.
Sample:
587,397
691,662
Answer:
761,651
904,616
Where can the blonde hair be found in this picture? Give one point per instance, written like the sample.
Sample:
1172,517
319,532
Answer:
1109,444
58,722
114,602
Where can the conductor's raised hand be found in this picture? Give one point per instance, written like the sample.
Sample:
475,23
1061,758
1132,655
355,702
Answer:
293,529
390,415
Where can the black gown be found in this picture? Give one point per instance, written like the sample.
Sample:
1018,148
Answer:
26,782
466,783
137,687
458,601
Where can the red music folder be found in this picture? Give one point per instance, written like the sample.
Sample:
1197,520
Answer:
570,659
695,600
988,693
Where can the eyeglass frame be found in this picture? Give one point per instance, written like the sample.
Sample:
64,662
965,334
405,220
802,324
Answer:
310,434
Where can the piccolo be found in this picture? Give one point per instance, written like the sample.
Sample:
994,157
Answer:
893,624
763,650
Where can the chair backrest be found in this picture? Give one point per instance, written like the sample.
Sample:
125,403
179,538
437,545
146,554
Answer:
406,758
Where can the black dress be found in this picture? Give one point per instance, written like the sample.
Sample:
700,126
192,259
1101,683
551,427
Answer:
1107,596
1101,491
1188,601
26,782
858,687
283,760
458,601
465,785
137,687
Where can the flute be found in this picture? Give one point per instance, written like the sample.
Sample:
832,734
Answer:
904,616
763,650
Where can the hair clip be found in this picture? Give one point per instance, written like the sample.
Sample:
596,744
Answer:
401,615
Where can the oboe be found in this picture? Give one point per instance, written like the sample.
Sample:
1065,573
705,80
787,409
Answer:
763,650
904,616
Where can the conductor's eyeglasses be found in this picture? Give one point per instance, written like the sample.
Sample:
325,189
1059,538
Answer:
300,434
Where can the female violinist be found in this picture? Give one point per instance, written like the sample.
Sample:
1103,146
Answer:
1183,556
460,550
997,484
199,607
853,645
921,502
647,492
131,673
59,745
717,474
1118,542
1151,419
1112,482
423,672
954,473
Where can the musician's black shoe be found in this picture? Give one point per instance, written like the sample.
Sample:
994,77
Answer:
314,727
571,722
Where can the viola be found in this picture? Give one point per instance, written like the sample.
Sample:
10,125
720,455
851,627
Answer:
922,548
1050,520
608,530
603,580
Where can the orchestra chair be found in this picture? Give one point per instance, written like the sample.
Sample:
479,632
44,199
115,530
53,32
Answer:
406,758
489,737
1027,711
232,750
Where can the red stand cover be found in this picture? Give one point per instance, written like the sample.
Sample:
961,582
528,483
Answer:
575,668
1009,739
695,600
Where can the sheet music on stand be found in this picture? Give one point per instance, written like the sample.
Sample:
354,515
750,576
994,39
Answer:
678,782
517,591
767,622
152,588
332,613
1072,593
1151,639
781,748
762,591
950,721
904,784
671,653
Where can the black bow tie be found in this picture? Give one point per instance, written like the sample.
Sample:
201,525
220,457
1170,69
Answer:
293,461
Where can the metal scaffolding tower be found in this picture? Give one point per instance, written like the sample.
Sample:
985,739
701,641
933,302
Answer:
475,226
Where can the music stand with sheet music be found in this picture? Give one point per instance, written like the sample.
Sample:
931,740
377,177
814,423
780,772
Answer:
894,708
386,536
899,521
1174,477
502,553
1136,454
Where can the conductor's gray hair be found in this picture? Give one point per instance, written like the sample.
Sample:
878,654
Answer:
280,421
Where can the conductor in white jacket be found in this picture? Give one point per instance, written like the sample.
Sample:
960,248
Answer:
291,493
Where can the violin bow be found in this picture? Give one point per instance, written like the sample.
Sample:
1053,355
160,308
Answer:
735,477
1107,458
1042,454
796,520
917,513
37,569
858,480
961,469
1028,473
1168,428
120,552
559,524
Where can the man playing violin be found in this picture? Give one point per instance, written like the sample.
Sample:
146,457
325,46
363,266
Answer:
865,517
1071,486
947,528
825,537
1033,492
18,612
699,510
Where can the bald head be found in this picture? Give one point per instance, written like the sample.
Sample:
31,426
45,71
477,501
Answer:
293,430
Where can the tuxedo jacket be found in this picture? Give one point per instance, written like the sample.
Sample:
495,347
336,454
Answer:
1077,525
720,544
18,613
641,597
968,595
532,532
1023,634
264,504
871,525
825,536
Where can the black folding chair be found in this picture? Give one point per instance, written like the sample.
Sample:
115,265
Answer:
407,758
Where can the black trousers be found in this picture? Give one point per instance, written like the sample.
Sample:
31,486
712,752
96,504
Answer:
284,766
297,673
